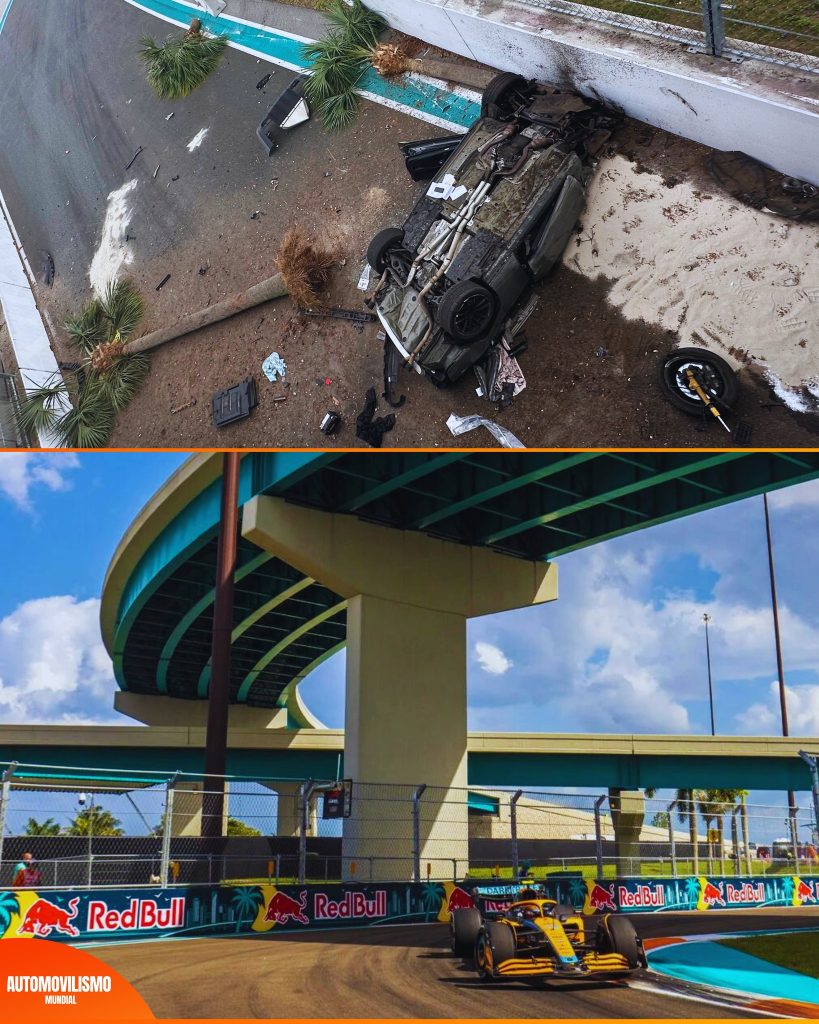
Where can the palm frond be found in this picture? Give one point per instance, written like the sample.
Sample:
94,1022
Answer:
338,112
123,307
87,425
181,63
43,407
89,329
361,25
120,383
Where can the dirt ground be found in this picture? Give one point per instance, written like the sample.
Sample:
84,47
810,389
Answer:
591,373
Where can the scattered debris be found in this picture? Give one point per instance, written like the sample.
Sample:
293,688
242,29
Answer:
753,183
601,352
263,81
130,162
369,429
157,170
392,367
169,116
357,317
174,178
185,405
463,424
163,282
274,367
47,268
330,423
204,270
364,281
289,110
256,215
234,403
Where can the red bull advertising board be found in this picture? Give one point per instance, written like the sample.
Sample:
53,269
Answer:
147,912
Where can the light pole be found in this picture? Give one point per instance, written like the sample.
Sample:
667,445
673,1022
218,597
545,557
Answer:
706,618
783,700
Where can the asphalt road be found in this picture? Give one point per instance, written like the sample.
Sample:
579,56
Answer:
405,971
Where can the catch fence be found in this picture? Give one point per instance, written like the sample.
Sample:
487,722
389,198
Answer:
785,33
92,830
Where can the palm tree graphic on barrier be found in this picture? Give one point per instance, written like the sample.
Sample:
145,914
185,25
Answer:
9,905
577,892
692,891
246,901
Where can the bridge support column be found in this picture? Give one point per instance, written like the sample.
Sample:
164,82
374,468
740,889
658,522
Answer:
627,817
409,597
288,816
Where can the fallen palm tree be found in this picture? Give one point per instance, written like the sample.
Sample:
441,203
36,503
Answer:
176,67
303,267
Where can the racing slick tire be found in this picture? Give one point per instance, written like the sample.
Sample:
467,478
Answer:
617,935
464,926
495,943
466,311
379,248
499,89
718,373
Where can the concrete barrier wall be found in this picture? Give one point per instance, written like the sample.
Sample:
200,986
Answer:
770,113
123,913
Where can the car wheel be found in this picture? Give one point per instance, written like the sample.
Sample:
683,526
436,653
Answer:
617,935
466,311
495,943
379,248
720,379
499,90
464,926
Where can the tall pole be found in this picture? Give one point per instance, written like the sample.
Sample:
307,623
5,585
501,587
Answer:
783,700
706,618
219,693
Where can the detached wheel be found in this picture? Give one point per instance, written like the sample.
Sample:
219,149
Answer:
718,376
464,926
495,943
466,311
499,91
379,248
617,935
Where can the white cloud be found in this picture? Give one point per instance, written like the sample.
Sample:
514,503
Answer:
21,472
764,718
53,665
802,496
492,659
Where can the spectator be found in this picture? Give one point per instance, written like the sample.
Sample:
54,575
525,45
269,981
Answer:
26,873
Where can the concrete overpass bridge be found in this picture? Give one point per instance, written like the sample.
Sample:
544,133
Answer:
493,759
389,554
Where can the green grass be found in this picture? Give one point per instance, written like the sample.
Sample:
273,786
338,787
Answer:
796,952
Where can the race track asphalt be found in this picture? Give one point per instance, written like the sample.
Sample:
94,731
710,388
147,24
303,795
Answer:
402,971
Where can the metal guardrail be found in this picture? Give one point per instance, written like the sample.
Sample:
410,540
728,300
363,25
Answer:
10,434
714,28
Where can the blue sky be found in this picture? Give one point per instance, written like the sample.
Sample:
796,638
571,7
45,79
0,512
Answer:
622,649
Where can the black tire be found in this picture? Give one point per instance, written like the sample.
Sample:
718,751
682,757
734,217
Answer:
495,943
617,935
379,248
466,311
720,377
499,89
464,926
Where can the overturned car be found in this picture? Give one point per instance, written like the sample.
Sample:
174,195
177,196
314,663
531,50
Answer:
455,281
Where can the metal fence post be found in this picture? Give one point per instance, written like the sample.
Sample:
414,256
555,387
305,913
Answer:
714,27
794,837
672,839
167,829
5,794
598,833
513,828
735,838
813,763
416,831
305,792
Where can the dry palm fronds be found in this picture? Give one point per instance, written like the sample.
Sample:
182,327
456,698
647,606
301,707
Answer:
304,265
389,60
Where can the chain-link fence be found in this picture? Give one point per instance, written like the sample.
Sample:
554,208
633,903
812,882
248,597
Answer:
784,33
10,434
106,829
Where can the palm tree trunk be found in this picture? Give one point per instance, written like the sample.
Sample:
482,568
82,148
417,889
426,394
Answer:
721,846
450,71
271,288
746,839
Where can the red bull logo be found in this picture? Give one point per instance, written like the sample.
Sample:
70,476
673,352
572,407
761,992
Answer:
140,915
746,893
643,896
602,898
712,895
43,917
283,908
804,891
351,905
459,899
496,906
